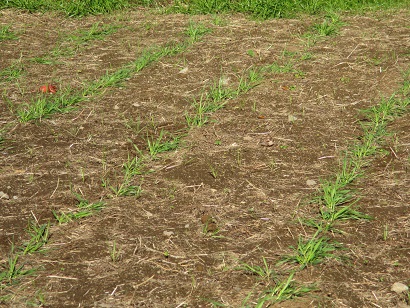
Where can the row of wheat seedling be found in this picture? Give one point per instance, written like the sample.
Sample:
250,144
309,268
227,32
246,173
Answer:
337,201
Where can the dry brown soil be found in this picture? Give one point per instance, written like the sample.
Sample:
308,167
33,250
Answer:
262,148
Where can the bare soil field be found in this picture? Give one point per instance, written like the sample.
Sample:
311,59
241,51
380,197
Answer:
199,211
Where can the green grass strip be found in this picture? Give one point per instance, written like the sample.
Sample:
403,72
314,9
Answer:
267,9
72,8
259,9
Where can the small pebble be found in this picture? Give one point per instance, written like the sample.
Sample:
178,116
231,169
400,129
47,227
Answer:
168,233
3,195
399,287
292,118
311,183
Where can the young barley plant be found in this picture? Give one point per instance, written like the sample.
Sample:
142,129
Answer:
39,235
312,250
11,270
284,290
265,272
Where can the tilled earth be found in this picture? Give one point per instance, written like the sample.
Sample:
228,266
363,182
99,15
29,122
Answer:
233,192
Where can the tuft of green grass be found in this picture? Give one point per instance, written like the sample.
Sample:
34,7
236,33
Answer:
329,26
7,34
196,31
13,72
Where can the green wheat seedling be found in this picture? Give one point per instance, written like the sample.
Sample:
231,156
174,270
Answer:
37,300
124,188
252,79
163,143
265,272
201,116
348,173
43,106
84,209
313,250
134,165
196,31
213,171
134,125
39,235
216,98
114,252
6,34
213,302
11,271
386,111
110,79
338,203
385,232
284,290
217,93
45,60
375,128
